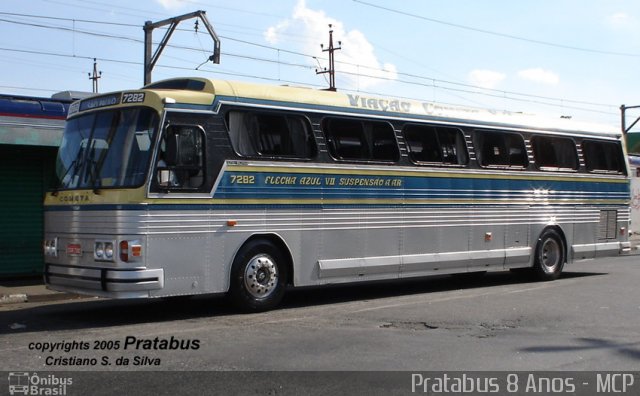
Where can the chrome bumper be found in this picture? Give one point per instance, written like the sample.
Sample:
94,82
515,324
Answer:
105,282
602,249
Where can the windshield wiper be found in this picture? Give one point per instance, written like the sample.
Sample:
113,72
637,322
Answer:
75,165
93,179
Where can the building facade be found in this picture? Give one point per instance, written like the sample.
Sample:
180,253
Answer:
30,134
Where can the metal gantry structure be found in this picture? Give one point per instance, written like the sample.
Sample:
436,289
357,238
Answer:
632,139
150,59
623,112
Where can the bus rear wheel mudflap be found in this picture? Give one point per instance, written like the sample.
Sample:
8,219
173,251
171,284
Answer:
550,255
258,276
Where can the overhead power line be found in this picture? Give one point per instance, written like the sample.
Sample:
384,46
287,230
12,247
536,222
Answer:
423,80
138,26
278,80
28,89
122,61
69,19
72,30
499,34
432,82
136,40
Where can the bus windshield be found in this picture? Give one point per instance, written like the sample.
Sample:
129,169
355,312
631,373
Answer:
106,149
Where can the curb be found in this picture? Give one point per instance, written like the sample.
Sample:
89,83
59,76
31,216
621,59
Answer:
26,298
13,298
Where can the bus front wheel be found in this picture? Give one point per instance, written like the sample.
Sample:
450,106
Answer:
258,276
550,256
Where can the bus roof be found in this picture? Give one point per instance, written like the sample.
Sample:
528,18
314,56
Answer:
207,93
373,105
34,107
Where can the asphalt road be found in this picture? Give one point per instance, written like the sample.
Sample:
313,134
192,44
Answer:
589,319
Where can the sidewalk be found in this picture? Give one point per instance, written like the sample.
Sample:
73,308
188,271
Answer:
29,289
33,290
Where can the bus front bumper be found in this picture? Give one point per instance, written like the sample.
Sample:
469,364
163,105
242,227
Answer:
104,282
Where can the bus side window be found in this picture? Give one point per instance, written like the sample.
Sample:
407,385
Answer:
346,139
353,139
501,149
603,156
553,153
270,134
438,145
181,158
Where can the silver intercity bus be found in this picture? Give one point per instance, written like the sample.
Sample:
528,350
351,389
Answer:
193,186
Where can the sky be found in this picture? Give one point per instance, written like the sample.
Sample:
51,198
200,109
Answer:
557,58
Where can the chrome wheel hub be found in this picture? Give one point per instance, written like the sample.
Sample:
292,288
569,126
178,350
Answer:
550,255
261,276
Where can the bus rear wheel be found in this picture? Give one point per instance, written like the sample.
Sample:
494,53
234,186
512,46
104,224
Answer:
550,256
258,276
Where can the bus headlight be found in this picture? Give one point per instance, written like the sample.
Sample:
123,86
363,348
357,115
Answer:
103,250
108,250
51,247
99,250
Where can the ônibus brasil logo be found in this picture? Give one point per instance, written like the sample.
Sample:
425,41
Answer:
22,383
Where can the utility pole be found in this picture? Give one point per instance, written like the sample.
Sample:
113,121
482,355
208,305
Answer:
623,111
95,76
150,60
332,66
631,139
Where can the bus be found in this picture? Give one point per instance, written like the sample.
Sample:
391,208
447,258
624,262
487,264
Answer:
196,186
18,383
21,115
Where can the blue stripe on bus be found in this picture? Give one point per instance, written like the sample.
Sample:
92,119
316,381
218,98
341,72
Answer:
260,185
411,191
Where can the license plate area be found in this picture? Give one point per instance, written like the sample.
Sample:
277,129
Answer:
74,249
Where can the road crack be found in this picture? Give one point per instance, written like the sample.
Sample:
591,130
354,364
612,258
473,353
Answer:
408,325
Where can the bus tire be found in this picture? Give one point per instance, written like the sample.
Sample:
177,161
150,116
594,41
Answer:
258,276
550,256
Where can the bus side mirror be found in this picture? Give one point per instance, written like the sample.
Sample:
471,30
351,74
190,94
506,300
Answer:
180,163
188,142
164,178
183,146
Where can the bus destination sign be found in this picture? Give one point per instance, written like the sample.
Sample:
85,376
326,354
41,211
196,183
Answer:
100,101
